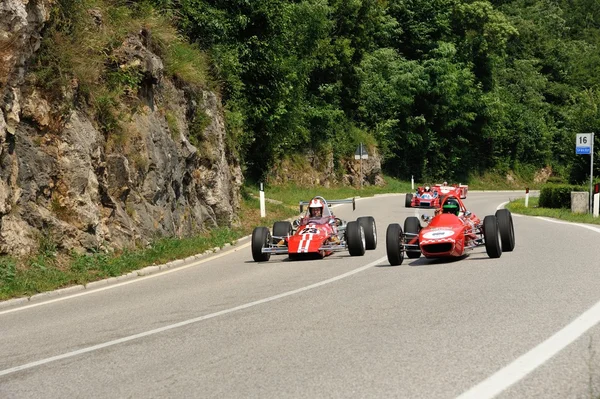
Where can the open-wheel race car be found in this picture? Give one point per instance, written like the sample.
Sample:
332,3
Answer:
456,190
450,233
430,196
318,233
424,197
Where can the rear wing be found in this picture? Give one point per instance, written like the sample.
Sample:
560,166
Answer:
330,202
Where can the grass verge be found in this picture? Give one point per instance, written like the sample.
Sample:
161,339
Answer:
518,206
48,270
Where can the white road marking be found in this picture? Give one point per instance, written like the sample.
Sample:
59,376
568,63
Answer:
528,362
525,364
187,322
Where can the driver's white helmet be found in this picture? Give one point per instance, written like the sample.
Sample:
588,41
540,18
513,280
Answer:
315,208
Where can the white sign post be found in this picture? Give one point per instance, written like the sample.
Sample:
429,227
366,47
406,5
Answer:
263,211
361,153
584,145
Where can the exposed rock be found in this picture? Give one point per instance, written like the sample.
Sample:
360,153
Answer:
314,169
90,190
542,175
20,25
38,109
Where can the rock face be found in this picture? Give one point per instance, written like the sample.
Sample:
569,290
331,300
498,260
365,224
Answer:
69,181
314,170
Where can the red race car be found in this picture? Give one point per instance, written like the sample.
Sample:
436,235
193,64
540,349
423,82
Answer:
429,197
456,190
450,233
424,197
317,234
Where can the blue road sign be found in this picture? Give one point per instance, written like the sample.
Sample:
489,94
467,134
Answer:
583,150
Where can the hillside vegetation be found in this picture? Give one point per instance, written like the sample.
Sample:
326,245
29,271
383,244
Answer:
445,88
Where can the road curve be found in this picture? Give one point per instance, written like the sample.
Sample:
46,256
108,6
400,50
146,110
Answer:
524,325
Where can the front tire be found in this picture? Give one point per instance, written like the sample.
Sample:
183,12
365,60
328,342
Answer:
491,233
368,225
408,200
261,238
412,225
393,244
355,237
507,229
281,229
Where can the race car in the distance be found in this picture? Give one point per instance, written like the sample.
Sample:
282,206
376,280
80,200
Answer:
429,196
318,233
456,190
424,197
450,233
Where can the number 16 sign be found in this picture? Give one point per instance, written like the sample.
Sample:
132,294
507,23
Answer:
583,144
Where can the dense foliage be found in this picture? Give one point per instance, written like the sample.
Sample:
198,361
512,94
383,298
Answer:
444,88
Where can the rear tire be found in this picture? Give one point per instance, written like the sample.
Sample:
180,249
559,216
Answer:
393,244
261,238
507,230
355,237
491,232
281,229
368,225
408,200
412,225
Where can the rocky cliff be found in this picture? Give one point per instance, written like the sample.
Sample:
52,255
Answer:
62,177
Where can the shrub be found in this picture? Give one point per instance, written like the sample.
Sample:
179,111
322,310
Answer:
557,195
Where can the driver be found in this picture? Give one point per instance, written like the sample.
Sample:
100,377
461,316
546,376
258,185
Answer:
315,209
451,206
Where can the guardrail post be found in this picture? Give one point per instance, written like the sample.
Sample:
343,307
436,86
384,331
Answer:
526,197
412,182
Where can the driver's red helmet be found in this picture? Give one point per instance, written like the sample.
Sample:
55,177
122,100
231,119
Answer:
315,209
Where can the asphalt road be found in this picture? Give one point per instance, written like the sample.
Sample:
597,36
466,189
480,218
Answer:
521,326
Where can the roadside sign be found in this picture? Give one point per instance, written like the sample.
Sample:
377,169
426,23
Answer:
583,144
361,152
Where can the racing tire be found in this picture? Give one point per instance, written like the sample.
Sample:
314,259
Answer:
261,238
507,229
491,233
282,229
368,225
355,237
408,200
393,244
412,225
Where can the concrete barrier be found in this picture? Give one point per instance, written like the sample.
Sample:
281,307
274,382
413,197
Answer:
580,202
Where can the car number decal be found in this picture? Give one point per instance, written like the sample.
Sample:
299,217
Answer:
432,235
309,230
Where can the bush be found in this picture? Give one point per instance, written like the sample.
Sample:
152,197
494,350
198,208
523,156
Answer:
557,195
